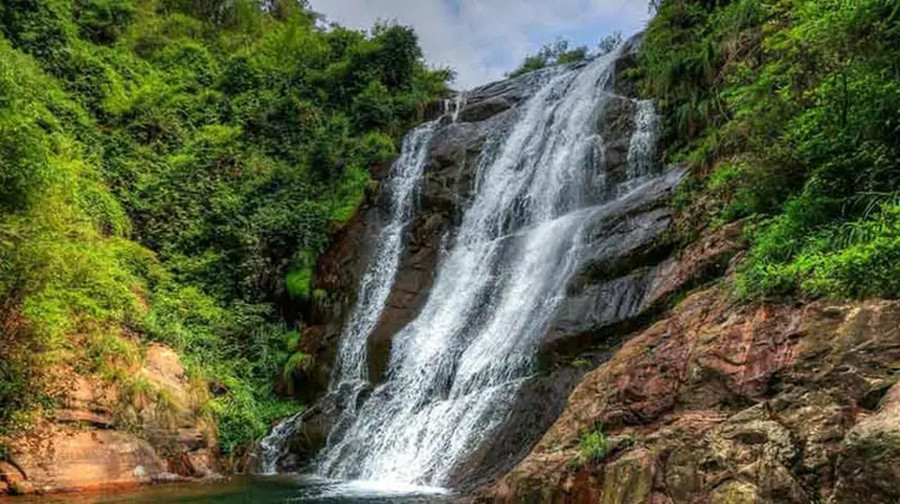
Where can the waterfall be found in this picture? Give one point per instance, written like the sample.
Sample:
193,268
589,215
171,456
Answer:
454,370
401,189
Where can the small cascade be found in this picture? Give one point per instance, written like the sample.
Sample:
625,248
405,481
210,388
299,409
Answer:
459,102
642,151
275,446
452,106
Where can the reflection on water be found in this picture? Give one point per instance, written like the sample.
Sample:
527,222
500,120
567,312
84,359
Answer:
255,490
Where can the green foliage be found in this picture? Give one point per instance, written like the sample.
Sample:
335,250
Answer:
561,52
299,279
296,362
742,189
65,267
170,171
557,53
789,110
854,259
103,21
592,445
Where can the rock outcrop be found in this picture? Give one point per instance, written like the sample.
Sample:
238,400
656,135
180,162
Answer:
142,429
728,403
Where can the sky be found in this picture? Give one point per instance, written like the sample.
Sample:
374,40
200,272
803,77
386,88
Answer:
484,39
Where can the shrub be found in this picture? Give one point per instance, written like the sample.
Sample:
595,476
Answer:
592,445
558,53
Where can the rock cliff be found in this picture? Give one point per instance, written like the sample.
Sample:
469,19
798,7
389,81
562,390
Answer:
728,403
147,429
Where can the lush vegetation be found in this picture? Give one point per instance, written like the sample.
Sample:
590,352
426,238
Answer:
562,52
169,171
788,112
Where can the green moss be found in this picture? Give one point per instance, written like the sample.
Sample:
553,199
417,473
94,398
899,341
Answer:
299,279
581,363
350,195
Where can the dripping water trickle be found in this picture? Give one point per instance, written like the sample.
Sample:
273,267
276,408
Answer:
275,445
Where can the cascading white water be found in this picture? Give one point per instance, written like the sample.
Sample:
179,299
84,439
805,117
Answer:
375,287
641,151
454,370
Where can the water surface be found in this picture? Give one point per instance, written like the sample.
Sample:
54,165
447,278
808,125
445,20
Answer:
255,490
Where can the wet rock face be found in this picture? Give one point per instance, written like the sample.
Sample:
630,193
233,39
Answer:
103,436
633,274
726,403
326,417
538,405
448,183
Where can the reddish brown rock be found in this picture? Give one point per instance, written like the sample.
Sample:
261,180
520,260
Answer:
707,258
728,403
59,458
105,435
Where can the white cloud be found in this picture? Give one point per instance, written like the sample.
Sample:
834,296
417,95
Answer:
483,39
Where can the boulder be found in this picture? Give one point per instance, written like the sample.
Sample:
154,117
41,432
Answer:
868,469
60,458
